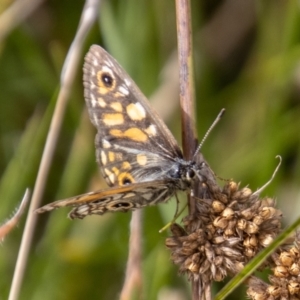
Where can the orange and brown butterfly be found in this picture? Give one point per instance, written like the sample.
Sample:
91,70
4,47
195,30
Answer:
137,154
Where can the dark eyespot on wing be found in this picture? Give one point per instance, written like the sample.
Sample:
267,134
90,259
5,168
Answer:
107,79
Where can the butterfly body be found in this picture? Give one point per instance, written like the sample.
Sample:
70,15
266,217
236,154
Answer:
137,154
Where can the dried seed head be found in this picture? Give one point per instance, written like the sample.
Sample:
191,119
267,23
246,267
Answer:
229,227
285,281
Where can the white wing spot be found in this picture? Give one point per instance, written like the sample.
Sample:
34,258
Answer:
83,209
147,196
117,106
141,159
110,175
103,158
92,86
128,83
101,102
128,195
123,90
136,112
117,196
93,100
151,130
95,119
107,69
106,144
108,63
95,62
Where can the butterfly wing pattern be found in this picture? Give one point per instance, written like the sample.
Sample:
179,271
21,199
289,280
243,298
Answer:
137,154
132,143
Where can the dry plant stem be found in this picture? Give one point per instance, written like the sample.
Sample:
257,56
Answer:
186,76
132,288
15,15
186,80
187,99
71,65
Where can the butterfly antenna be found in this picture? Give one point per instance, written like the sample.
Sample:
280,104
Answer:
218,118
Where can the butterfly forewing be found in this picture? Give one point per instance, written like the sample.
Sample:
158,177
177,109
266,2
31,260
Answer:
132,143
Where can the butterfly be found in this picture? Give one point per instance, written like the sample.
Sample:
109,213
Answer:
137,154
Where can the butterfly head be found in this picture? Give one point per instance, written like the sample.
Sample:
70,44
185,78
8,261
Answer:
188,172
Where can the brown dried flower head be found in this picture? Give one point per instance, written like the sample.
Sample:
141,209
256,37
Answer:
285,280
229,227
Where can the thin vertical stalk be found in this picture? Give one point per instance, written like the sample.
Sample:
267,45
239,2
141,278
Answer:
187,95
132,287
186,78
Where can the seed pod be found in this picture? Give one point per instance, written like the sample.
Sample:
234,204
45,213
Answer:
219,276
251,228
218,260
227,213
267,212
242,195
294,269
217,206
295,252
231,228
218,239
294,287
265,239
249,252
258,220
242,224
286,258
220,222
274,291
281,271
251,241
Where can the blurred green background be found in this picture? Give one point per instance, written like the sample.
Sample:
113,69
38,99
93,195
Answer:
247,56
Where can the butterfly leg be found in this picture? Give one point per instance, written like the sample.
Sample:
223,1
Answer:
176,215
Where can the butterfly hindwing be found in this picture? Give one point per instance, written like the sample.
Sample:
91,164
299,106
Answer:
114,199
